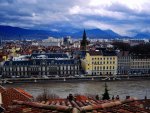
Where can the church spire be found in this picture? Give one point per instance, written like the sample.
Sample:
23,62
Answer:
84,35
84,42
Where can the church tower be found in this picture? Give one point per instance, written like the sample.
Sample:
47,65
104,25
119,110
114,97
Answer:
84,42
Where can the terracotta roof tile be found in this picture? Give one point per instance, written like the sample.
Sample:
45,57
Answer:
24,92
13,94
2,89
81,103
127,107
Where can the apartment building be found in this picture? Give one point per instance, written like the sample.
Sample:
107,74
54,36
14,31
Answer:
100,63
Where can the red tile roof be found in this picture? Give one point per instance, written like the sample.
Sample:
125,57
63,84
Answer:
77,106
81,97
16,100
2,89
13,94
24,92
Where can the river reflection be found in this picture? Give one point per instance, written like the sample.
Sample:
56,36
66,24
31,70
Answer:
133,88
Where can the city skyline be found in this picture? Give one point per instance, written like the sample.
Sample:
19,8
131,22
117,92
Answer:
124,17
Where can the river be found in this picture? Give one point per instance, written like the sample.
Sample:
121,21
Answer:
122,88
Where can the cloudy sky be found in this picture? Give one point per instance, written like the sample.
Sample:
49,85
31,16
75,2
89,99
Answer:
125,17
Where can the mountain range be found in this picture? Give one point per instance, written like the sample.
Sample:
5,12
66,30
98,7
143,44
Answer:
16,33
143,35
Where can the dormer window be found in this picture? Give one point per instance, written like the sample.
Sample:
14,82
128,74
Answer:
52,61
44,62
10,63
34,62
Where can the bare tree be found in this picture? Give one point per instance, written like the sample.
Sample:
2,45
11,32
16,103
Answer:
45,95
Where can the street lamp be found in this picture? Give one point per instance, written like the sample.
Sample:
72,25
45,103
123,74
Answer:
92,68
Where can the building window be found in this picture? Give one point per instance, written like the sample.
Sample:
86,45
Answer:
98,68
43,68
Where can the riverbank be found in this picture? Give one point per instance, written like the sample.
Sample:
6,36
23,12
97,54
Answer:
138,88
73,79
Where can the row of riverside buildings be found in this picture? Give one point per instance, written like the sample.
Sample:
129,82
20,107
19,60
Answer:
38,65
105,62
102,61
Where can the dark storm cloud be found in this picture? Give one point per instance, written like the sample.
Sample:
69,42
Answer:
7,1
124,17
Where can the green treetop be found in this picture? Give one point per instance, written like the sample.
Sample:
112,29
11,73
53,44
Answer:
106,93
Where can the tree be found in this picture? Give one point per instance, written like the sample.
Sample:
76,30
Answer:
45,95
106,93
122,46
141,49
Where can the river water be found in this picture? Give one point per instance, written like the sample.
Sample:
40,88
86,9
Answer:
122,88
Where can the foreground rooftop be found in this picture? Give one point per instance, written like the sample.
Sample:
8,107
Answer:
81,104
16,100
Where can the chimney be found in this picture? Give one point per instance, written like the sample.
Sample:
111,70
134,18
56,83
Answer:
70,97
145,98
127,97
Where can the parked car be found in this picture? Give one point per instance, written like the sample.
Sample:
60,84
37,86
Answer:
56,76
44,76
77,75
82,76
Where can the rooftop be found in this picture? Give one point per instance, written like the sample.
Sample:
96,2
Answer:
95,53
102,53
109,53
40,61
49,55
16,101
123,53
81,104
